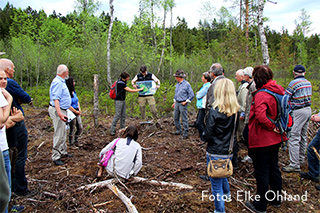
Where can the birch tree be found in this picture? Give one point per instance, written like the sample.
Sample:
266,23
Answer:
108,44
263,39
166,5
172,4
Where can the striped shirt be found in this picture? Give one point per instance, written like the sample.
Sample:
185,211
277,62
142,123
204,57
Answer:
299,90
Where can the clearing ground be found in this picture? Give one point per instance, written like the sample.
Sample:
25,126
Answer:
165,158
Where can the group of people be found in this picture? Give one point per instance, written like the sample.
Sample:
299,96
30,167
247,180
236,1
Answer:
218,104
13,136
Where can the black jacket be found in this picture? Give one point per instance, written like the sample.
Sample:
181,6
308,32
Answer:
218,132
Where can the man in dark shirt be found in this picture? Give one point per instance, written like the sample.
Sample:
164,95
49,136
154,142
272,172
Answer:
19,181
143,99
120,102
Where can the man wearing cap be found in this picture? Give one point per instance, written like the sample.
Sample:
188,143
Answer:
299,91
144,99
60,101
183,95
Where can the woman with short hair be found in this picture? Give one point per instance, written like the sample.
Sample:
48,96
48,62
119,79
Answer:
265,139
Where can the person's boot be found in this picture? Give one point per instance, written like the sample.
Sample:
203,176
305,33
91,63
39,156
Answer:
71,142
76,142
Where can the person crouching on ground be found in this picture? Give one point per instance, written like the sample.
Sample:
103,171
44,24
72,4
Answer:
218,133
127,157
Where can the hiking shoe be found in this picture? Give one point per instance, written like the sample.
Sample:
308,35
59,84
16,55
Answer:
67,156
246,159
317,187
74,146
251,206
58,162
175,133
17,208
290,169
204,177
229,199
306,175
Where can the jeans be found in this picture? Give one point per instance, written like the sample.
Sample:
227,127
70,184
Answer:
220,187
267,173
179,109
73,134
313,162
7,164
19,181
120,114
200,122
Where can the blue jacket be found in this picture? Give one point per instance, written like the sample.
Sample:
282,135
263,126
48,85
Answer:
202,96
18,94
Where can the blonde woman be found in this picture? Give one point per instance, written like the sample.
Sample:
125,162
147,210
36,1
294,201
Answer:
218,131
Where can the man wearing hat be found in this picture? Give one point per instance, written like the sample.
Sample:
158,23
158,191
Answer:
299,91
183,95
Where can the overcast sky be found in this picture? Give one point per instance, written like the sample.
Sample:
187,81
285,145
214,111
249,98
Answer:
280,15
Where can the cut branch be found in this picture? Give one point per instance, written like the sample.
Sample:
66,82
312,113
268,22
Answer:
161,183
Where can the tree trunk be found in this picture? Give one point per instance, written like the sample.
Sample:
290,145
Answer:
154,33
108,44
247,28
240,14
171,24
96,99
164,40
264,43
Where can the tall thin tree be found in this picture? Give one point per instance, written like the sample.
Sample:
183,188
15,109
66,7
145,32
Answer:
108,43
263,39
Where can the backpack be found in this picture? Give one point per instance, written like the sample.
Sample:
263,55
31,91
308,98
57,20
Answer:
284,119
113,90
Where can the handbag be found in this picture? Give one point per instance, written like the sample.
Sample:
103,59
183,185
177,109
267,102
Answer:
223,168
104,159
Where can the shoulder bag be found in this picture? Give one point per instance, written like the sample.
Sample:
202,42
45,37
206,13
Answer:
223,168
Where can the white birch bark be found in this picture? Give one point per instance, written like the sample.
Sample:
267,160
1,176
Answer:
108,44
264,43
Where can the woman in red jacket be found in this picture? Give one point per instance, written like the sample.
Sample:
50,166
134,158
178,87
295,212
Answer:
265,140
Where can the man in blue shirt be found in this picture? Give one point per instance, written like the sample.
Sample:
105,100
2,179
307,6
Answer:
183,96
60,101
19,180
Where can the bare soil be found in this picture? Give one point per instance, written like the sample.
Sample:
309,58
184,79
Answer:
166,158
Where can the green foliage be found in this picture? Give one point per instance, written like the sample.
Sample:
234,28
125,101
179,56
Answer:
38,43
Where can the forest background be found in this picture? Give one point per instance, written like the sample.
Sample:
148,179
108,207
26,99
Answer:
37,43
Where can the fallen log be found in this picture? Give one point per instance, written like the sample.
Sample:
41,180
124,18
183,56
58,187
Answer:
98,184
161,183
131,208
